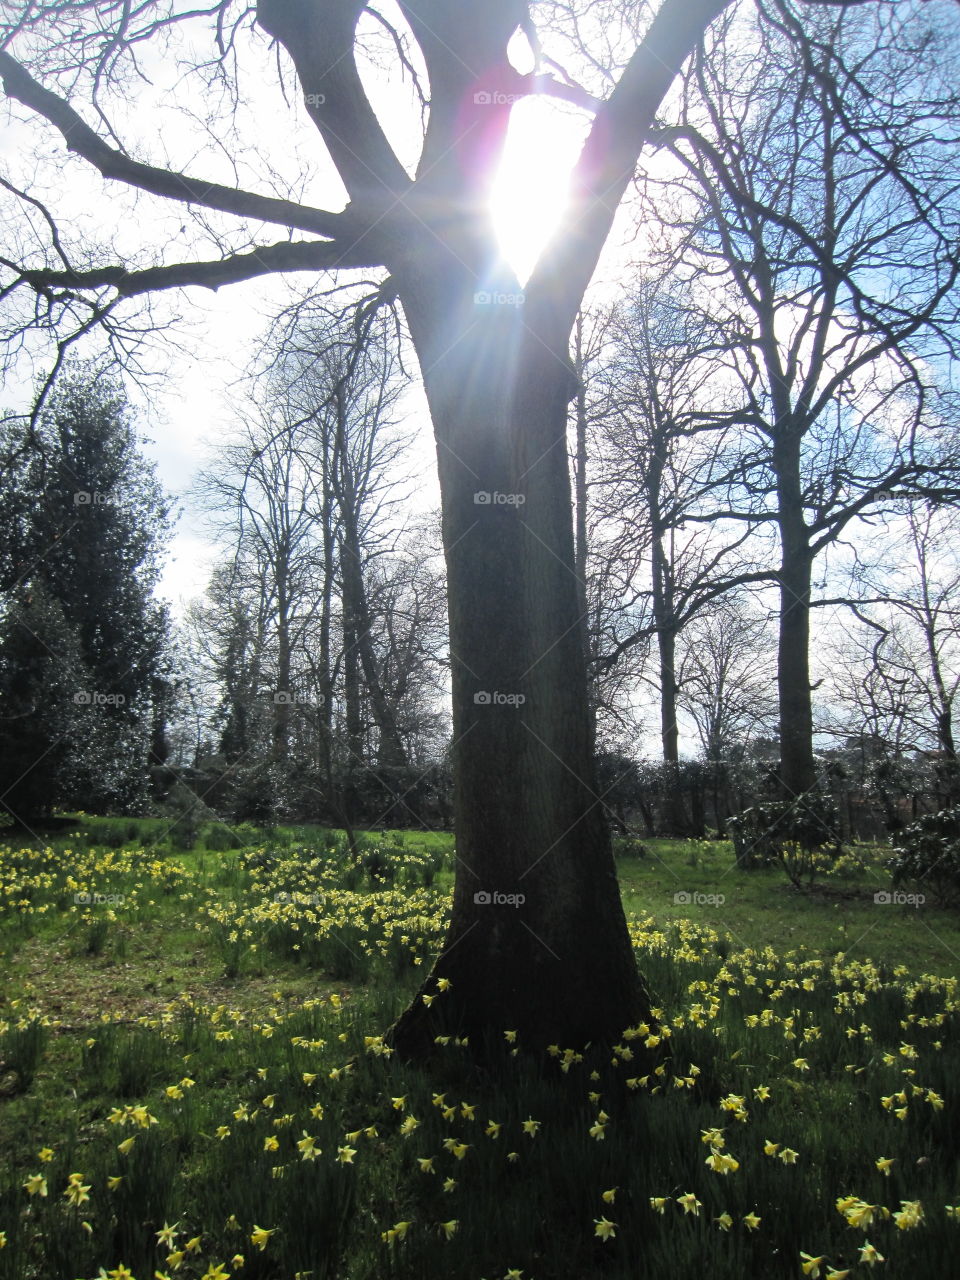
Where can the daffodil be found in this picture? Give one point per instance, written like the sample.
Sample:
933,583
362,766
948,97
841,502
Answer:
530,1127
909,1215
260,1236
870,1255
345,1154
751,1221
449,1184
658,1203
449,1229
307,1146
604,1228
77,1192
690,1204
810,1266
36,1185
609,1196
167,1235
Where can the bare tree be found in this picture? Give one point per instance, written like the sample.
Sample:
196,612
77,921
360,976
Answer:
806,168
898,674
666,451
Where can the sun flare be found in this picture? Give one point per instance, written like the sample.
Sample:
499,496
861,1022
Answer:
531,188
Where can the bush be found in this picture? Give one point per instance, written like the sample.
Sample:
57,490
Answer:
928,852
802,836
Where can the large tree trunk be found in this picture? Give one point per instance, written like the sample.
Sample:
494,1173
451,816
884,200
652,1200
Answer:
538,940
797,767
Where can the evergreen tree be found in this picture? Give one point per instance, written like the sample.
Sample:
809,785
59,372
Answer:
86,532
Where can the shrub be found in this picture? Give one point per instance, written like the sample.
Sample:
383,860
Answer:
802,836
928,851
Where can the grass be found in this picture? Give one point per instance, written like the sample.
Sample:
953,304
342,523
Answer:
226,1014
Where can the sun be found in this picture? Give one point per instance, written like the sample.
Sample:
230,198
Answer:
530,192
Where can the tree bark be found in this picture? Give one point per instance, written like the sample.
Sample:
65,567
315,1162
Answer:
555,963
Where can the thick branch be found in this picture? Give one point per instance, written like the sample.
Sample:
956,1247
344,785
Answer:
609,158
298,255
113,164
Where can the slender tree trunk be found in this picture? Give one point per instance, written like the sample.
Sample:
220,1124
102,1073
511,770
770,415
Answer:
537,941
281,709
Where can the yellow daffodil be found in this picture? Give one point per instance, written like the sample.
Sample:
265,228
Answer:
604,1228
307,1146
260,1236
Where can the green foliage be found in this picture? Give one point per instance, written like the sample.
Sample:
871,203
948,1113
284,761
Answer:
21,1051
802,836
84,527
927,855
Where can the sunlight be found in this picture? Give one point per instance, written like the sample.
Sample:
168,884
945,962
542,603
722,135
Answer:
530,191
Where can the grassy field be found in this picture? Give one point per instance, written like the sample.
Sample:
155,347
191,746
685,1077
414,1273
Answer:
193,1084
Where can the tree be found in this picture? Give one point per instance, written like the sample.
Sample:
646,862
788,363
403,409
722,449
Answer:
88,530
805,164
41,723
497,378
898,674
666,451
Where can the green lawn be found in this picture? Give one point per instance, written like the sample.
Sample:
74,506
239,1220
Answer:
204,1055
